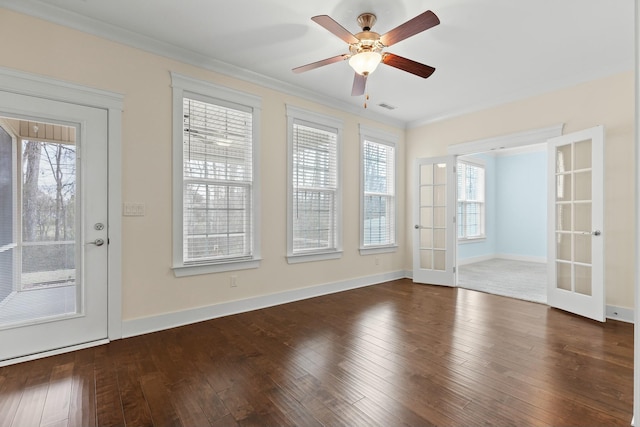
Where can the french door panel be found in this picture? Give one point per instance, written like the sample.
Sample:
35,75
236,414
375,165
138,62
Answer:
54,281
434,221
576,219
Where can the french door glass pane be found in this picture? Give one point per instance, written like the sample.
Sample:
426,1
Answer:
43,283
433,211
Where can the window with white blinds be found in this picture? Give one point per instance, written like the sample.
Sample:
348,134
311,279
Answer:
378,187
315,189
218,182
379,213
471,202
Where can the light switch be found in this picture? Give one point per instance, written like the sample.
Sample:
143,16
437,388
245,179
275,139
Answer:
133,209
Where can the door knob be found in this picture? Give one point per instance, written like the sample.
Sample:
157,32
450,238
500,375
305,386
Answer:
97,242
416,226
597,233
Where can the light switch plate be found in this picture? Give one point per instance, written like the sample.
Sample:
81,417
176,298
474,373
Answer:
133,209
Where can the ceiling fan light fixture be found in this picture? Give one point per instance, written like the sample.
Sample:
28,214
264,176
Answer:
365,63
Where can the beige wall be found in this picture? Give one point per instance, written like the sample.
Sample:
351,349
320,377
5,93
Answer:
148,284
609,102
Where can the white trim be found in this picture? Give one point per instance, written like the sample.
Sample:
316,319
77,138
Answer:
185,86
518,139
373,250
55,352
525,258
525,149
57,90
475,259
313,256
622,314
160,322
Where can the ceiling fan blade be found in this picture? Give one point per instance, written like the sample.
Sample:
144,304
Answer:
332,26
422,22
408,65
318,64
359,83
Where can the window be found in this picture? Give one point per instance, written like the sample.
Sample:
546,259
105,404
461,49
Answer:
378,188
314,226
471,204
215,178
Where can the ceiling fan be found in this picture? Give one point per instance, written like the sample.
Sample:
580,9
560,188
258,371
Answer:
366,48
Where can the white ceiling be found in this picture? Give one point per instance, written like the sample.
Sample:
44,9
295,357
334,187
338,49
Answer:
486,52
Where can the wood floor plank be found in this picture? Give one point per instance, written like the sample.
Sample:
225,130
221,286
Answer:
390,354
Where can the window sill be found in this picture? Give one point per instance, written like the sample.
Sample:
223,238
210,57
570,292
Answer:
313,256
472,240
219,267
372,250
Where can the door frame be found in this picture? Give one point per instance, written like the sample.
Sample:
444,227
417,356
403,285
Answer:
512,140
34,85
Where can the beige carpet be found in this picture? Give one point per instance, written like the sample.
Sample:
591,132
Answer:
515,279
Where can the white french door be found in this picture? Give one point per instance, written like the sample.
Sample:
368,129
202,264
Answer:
576,219
434,234
53,238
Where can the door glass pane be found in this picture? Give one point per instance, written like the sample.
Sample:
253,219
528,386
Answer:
439,262
582,152
563,276
582,216
43,284
439,195
439,238
426,195
439,217
426,217
563,187
583,185
583,279
563,159
563,217
563,246
426,238
583,248
440,173
426,174
426,259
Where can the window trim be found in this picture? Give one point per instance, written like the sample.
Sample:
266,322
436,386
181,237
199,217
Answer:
208,92
385,138
321,121
479,163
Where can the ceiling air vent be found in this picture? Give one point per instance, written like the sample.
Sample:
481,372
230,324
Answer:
387,106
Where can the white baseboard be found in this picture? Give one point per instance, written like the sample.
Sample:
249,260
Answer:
473,260
511,257
619,313
160,322
526,258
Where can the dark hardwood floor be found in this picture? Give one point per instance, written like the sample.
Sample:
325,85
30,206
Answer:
389,355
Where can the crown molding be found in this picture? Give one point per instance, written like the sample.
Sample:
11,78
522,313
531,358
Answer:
110,32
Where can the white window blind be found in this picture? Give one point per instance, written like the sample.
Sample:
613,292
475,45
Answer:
379,217
218,181
315,187
471,201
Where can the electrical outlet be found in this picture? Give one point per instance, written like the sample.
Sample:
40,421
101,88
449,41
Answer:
233,281
377,261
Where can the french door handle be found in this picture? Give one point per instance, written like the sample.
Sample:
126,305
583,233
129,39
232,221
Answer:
591,233
97,242
416,226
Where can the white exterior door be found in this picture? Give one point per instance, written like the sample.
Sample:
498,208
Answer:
53,241
576,219
434,234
